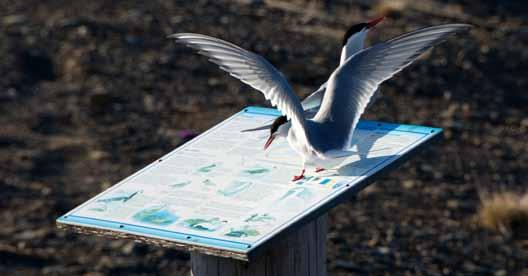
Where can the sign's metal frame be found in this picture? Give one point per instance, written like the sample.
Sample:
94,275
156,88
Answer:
241,250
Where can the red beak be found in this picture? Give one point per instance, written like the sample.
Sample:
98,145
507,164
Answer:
268,143
374,22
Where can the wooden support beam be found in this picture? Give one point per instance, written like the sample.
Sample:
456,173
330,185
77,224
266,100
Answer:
301,252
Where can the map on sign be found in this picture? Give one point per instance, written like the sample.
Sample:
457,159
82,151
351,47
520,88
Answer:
222,190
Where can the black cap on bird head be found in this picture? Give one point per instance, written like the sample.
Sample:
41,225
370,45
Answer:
359,27
273,130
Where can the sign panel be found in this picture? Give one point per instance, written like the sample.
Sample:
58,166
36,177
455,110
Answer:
221,192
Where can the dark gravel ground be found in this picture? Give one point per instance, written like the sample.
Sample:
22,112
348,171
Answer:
91,91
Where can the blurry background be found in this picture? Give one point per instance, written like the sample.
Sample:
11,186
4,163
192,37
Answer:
91,91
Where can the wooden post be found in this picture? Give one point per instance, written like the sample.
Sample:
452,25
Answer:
302,252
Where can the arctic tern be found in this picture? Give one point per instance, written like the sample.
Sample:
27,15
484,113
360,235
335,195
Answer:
326,137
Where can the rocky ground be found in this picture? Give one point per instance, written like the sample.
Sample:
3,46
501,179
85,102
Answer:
91,91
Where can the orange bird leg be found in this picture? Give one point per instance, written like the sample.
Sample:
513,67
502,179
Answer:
319,169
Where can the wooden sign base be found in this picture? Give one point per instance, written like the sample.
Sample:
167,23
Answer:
301,252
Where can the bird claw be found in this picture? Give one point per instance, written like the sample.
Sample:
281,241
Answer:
298,177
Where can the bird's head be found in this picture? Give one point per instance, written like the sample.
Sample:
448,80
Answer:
278,129
357,32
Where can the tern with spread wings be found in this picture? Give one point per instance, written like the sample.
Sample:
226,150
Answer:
326,137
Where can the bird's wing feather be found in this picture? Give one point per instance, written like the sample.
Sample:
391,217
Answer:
249,68
352,85
314,100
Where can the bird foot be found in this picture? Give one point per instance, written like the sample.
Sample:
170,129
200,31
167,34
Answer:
319,169
298,177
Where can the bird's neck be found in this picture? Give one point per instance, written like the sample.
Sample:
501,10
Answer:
354,44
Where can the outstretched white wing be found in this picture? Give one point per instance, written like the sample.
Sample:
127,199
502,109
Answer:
249,68
352,85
